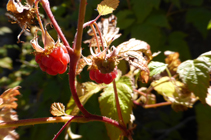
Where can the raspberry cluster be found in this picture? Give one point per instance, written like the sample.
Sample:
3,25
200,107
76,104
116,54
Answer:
99,77
55,62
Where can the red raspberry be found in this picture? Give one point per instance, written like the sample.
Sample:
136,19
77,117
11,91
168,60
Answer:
99,77
55,62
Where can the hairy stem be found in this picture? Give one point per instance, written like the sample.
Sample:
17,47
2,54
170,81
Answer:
121,121
157,105
80,119
46,6
95,34
56,136
100,34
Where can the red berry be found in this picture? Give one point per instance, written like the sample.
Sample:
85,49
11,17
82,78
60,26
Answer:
108,78
92,74
51,72
64,69
38,58
57,66
42,67
47,60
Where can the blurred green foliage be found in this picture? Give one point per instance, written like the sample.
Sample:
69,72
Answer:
176,25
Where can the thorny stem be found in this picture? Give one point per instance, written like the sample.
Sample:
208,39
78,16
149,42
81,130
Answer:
99,32
121,121
95,34
46,6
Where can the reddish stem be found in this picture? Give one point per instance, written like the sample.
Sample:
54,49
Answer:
46,6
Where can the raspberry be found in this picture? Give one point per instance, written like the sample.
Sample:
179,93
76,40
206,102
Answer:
99,77
55,62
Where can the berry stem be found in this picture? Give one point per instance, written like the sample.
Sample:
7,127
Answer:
46,6
95,34
100,34
121,121
38,17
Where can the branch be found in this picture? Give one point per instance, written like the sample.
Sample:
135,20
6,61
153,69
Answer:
65,119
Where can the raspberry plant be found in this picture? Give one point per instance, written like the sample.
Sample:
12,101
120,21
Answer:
180,83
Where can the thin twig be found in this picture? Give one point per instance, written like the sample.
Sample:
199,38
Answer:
95,34
157,105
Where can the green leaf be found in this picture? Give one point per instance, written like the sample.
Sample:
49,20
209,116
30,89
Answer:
148,33
193,2
125,19
159,20
178,44
156,67
206,57
85,91
142,8
6,62
108,104
209,25
195,73
199,17
203,118
176,3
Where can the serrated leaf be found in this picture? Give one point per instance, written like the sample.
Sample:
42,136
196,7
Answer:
57,109
156,67
175,92
125,19
159,20
6,63
86,90
107,6
195,73
108,105
7,104
8,98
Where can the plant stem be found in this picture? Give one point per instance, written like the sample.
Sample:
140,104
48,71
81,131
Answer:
46,6
95,34
65,119
38,18
82,10
56,136
121,121
157,105
100,34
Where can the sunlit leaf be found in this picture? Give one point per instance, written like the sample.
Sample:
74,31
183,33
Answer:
156,67
175,92
195,73
85,91
208,98
108,105
57,109
107,6
6,62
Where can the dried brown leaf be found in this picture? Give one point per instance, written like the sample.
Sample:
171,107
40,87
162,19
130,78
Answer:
109,32
57,109
82,63
7,113
8,98
172,60
107,6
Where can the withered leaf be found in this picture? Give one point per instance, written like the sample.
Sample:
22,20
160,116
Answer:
172,60
16,6
107,6
7,113
135,45
107,27
82,63
57,109
8,98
